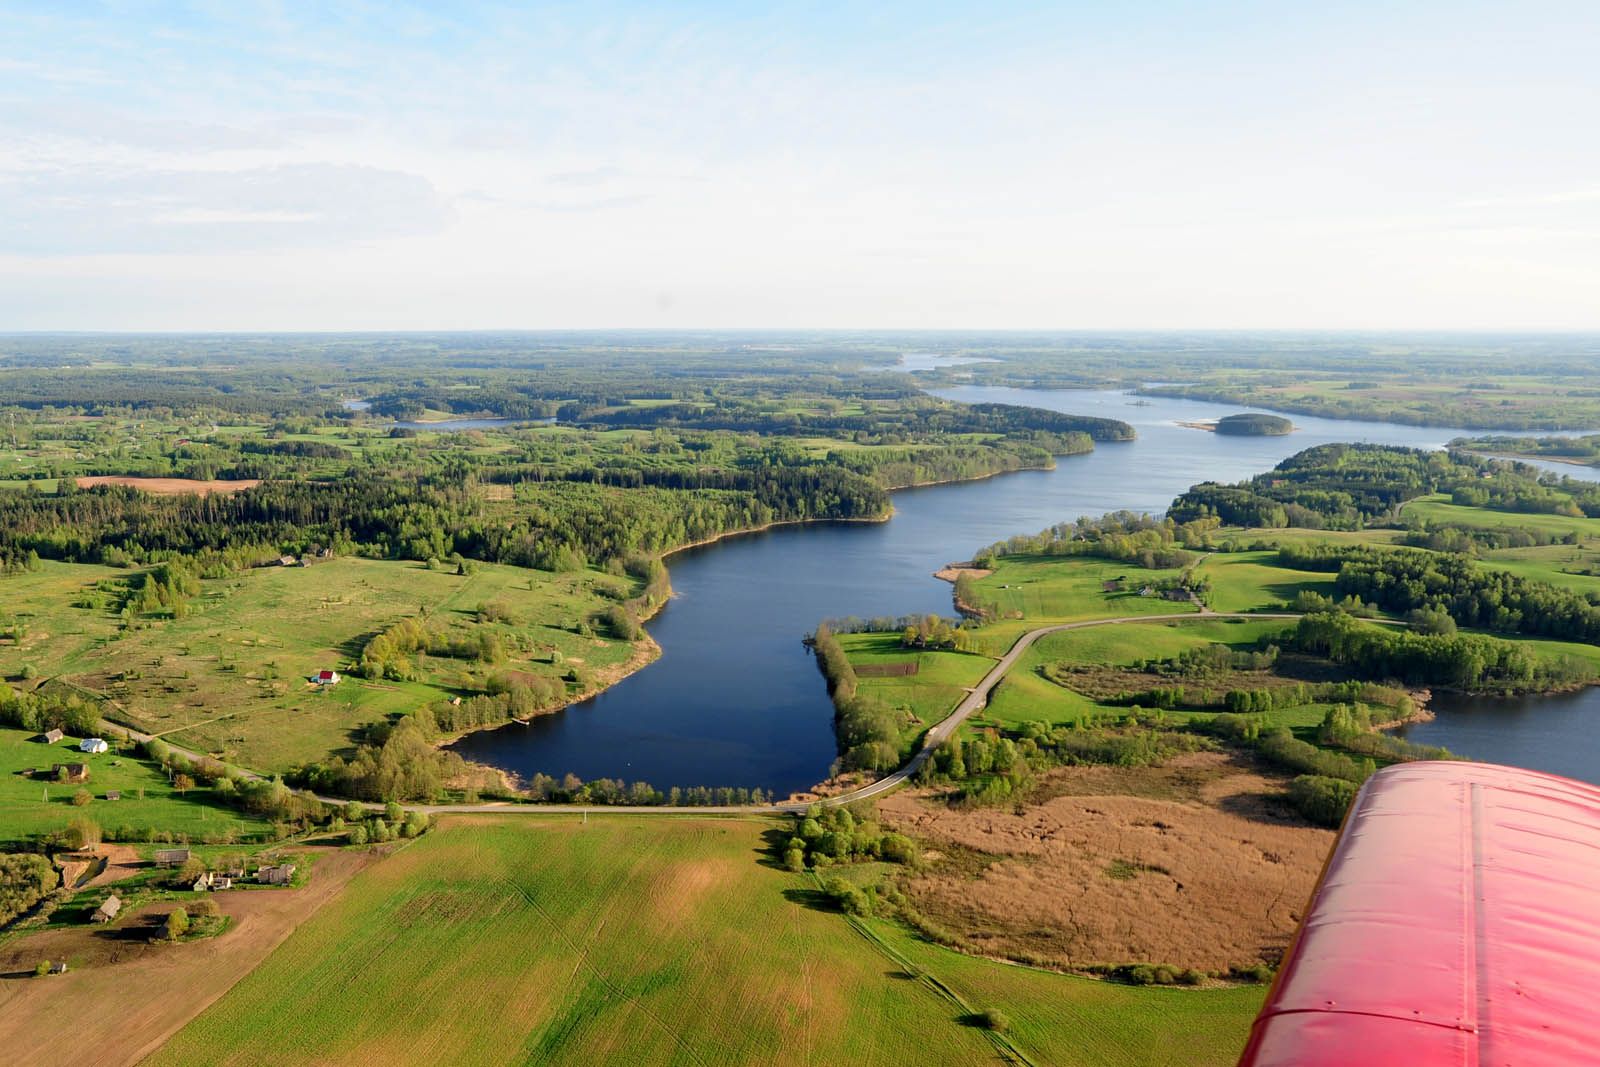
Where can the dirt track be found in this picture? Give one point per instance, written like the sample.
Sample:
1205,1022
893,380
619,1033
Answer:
123,997
169,486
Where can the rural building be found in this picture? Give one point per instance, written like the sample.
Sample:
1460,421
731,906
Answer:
286,561
50,737
107,911
1112,585
171,857
213,881
72,772
1177,594
279,875
327,678
93,745
113,794
59,967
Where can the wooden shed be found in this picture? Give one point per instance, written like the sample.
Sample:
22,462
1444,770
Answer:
107,911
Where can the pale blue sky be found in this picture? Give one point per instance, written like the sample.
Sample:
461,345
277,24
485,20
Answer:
235,166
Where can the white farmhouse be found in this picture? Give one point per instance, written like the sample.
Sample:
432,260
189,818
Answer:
95,745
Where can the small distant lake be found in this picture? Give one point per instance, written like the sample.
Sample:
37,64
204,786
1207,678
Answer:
736,699
454,425
447,425
915,361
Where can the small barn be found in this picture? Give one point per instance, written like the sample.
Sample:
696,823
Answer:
71,772
278,875
113,794
50,737
107,911
171,857
212,880
327,678
286,561
94,745
59,967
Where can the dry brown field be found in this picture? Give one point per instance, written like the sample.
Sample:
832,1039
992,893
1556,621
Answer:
169,486
1195,863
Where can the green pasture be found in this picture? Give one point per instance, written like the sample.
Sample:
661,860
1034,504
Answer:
1026,695
30,807
1438,510
230,678
1069,588
941,680
624,940
1245,581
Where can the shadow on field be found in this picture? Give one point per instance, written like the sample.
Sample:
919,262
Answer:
1262,808
773,842
815,899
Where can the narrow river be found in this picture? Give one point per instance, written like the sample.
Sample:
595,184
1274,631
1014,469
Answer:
736,700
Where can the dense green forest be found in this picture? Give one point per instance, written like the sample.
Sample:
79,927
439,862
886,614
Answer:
664,448
1402,580
1252,424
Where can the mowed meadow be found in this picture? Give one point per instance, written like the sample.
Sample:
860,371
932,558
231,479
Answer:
628,940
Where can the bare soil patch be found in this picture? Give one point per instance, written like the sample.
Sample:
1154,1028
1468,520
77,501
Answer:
121,861
123,996
1195,863
169,486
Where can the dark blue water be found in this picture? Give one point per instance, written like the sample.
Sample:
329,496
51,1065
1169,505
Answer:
736,700
1559,734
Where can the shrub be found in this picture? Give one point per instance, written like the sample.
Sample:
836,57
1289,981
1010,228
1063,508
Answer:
81,797
177,923
994,1019
1321,799
848,898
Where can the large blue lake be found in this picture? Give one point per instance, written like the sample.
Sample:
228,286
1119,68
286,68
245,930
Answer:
736,700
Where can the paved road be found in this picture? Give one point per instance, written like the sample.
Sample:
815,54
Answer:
974,702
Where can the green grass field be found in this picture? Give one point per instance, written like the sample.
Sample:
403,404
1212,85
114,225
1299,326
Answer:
1438,510
632,941
230,678
1064,589
1244,581
1026,696
30,807
941,680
